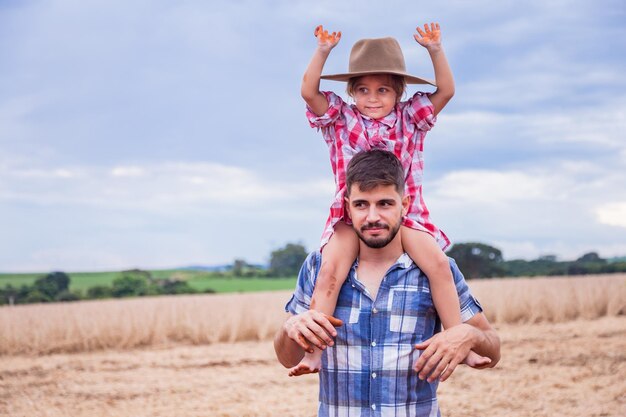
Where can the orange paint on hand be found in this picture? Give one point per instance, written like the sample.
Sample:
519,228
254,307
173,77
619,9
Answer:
323,35
334,321
432,34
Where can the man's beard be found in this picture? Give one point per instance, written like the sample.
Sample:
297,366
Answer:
378,242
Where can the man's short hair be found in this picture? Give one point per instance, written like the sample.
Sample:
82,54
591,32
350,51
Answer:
372,168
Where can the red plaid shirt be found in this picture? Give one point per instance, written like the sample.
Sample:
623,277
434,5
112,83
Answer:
347,132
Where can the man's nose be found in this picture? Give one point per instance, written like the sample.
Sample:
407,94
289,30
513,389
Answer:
372,214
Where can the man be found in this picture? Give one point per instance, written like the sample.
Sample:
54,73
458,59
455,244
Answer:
384,356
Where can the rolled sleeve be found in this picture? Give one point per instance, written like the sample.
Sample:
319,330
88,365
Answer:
469,304
335,104
301,299
421,111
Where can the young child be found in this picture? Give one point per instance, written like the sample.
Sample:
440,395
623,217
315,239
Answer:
379,120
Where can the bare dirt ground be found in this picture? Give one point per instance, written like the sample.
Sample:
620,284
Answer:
576,368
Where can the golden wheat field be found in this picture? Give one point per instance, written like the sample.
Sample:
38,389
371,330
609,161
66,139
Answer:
563,349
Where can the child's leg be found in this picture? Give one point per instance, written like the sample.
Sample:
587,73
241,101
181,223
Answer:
337,259
429,257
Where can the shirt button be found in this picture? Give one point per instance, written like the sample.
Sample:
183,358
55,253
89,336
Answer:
373,344
373,406
374,375
374,310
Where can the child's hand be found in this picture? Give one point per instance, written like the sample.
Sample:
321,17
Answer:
326,41
429,38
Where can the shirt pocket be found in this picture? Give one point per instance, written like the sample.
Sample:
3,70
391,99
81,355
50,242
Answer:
407,310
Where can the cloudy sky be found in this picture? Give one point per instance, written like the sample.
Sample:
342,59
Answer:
160,134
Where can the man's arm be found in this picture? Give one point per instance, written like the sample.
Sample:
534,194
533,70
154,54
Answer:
444,351
300,332
489,342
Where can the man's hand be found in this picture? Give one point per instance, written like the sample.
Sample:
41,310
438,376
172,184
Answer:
429,38
326,41
312,328
444,351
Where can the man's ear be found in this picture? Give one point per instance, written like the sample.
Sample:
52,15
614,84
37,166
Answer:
347,206
406,201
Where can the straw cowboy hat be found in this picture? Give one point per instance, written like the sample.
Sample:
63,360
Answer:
375,56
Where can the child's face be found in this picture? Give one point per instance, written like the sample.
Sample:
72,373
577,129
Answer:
374,95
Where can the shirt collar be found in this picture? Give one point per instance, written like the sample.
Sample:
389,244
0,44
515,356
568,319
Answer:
389,120
403,262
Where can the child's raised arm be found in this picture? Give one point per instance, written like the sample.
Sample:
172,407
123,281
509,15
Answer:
430,38
311,81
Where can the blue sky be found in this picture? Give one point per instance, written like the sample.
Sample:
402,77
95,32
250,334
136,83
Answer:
159,134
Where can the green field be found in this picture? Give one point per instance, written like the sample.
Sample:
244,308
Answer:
81,281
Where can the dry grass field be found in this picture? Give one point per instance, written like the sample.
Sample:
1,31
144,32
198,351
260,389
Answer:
204,319
564,354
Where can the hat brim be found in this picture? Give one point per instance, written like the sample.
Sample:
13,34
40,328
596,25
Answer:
410,79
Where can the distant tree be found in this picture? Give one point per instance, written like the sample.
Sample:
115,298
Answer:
615,267
547,258
590,257
477,259
22,294
174,286
52,284
99,291
239,267
589,263
67,296
288,260
36,296
8,295
140,273
130,284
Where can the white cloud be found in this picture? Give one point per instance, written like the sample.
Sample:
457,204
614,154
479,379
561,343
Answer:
564,249
612,214
128,171
528,138
43,173
492,187
156,186
567,208
601,127
80,257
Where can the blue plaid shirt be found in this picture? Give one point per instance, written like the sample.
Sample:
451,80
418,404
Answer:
368,372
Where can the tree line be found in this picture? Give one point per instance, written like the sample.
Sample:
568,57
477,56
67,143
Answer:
478,260
55,286
475,260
